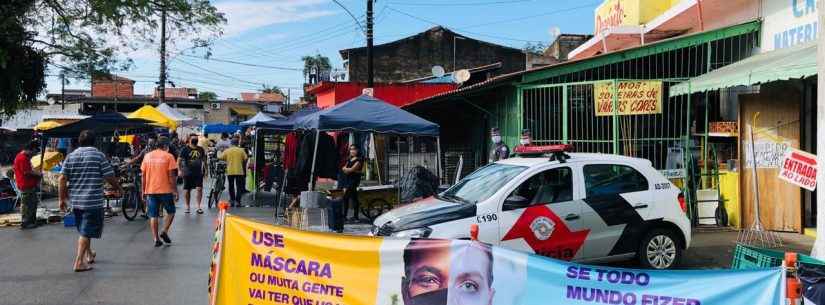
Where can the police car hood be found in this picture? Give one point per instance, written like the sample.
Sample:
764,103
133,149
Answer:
423,213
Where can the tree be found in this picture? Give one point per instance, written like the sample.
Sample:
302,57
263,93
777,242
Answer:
318,62
273,89
207,96
535,48
86,38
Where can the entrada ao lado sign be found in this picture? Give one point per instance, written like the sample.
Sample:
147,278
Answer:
799,168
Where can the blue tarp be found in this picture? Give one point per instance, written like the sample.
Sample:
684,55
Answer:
289,123
261,119
220,128
367,114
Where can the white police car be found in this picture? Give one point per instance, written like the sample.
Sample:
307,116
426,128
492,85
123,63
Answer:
579,207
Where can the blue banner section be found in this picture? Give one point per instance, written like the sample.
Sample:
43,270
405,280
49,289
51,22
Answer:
566,283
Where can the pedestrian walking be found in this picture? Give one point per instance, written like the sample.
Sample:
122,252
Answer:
224,142
235,158
27,181
192,165
160,189
81,184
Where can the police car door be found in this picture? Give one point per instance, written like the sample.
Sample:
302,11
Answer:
541,215
617,201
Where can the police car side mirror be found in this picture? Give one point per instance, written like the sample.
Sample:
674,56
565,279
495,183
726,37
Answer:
514,202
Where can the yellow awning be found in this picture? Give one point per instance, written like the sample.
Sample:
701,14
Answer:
46,125
243,111
150,113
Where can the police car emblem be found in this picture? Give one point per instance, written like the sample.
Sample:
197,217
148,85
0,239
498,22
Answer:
542,227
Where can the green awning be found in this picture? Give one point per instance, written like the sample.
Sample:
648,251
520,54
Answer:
790,63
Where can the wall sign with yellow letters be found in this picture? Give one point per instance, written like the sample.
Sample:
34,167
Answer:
635,97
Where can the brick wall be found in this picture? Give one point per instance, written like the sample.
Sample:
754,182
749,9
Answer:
107,88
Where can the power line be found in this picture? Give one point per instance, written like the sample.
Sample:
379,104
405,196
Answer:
243,63
464,31
351,15
458,3
218,73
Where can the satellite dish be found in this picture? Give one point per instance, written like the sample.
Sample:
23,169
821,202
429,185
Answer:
438,71
461,76
555,31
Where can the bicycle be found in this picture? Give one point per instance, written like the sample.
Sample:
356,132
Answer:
218,185
132,201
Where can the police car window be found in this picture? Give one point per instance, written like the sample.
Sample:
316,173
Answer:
482,183
608,179
550,186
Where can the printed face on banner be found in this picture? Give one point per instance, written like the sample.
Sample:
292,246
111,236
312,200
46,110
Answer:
441,272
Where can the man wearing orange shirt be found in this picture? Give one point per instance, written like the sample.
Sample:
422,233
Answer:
160,189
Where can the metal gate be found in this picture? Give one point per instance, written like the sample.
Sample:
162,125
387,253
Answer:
566,114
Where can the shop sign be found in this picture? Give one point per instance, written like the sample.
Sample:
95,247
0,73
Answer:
769,154
258,263
635,97
613,13
787,23
799,168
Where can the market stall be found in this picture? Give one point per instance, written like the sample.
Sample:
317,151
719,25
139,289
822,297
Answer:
363,114
266,149
220,128
155,116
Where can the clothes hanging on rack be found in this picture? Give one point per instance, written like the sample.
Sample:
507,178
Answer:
326,162
289,156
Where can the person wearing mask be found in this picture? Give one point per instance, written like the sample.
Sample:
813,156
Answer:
224,142
526,139
159,175
235,158
499,151
192,165
27,181
81,184
351,180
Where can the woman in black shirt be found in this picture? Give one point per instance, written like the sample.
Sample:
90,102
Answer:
352,178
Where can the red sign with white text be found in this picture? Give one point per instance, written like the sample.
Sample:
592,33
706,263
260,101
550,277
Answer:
799,168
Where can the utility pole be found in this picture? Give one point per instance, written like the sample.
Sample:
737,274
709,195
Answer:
819,246
63,91
162,81
370,73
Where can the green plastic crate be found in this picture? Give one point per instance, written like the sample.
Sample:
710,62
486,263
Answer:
747,257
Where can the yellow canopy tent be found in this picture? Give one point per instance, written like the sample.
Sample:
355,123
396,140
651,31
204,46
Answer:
46,125
150,113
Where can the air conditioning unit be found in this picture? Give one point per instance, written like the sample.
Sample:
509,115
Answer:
216,106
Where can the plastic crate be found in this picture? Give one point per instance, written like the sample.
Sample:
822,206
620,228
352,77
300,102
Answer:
7,204
747,257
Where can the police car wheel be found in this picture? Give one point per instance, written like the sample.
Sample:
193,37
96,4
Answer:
659,250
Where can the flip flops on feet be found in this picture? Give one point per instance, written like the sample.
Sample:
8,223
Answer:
158,243
200,211
87,268
91,257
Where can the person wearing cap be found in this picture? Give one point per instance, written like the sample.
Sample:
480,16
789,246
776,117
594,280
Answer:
499,151
160,172
526,139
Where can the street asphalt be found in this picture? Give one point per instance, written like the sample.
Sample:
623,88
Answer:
36,265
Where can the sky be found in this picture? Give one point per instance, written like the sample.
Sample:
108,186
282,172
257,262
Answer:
269,37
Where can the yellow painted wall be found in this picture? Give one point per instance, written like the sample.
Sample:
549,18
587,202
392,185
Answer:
729,188
629,12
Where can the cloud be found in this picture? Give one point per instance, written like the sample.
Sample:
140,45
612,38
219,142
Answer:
246,15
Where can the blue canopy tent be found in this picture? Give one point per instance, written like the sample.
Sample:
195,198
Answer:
261,119
220,128
368,114
289,123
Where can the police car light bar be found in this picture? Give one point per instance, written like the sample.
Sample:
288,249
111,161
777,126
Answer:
545,149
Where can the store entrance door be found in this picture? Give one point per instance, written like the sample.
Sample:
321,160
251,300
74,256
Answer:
777,128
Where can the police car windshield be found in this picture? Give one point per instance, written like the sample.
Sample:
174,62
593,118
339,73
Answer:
482,183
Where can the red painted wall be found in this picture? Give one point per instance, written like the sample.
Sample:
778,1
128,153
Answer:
396,94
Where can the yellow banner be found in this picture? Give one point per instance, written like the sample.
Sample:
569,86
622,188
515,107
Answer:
635,97
613,13
265,264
